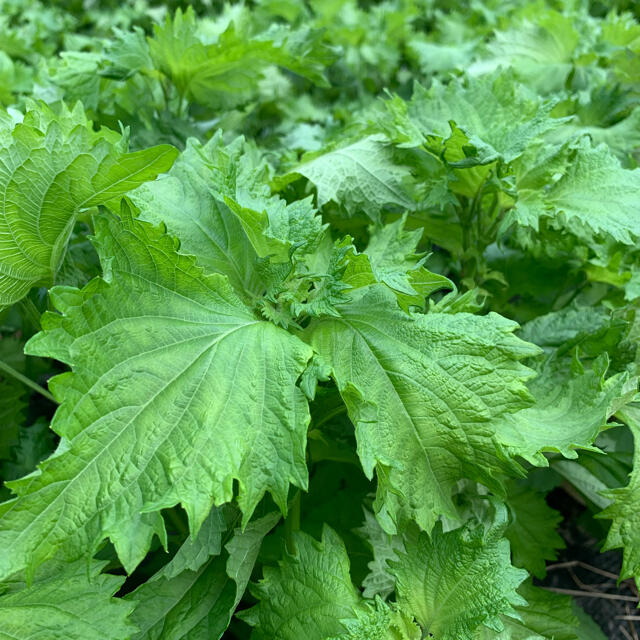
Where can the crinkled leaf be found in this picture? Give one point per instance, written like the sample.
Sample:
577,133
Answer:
589,195
454,582
547,616
190,200
498,117
622,138
541,52
380,581
360,177
227,71
394,261
276,228
592,329
307,594
380,622
423,392
217,199
54,166
572,405
70,601
169,366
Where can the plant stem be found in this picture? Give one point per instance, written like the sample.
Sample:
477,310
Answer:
30,383
292,522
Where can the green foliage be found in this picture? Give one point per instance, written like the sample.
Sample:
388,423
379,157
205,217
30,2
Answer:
305,308
69,600
453,582
54,167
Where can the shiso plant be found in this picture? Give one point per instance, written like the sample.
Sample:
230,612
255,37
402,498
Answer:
317,318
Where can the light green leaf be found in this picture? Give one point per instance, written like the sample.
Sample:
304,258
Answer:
394,261
275,228
498,117
225,70
307,594
582,190
593,329
54,166
197,603
541,52
359,177
622,138
423,392
190,200
380,622
454,582
547,616
177,390
572,405
127,53
70,601
217,199
438,57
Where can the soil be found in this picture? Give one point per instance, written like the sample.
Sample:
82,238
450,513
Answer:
583,567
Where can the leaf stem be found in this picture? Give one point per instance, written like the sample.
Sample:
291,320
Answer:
27,381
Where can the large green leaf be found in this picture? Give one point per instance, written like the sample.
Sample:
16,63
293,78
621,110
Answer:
361,177
53,166
423,392
190,200
217,200
71,601
540,51
177,390
454,582
581,189
572,405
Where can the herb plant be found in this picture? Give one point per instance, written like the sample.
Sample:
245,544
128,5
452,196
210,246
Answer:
306,307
